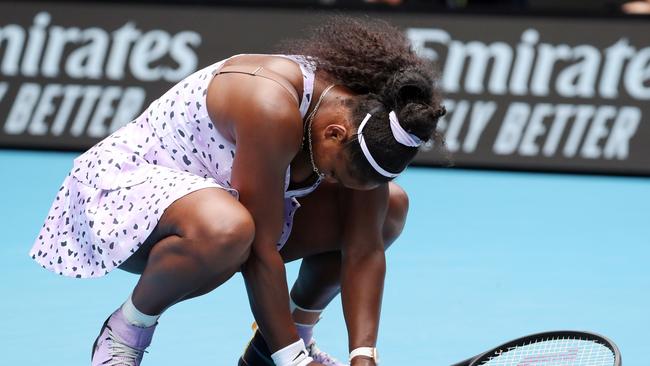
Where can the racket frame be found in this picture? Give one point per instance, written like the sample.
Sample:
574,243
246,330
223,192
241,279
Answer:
545,335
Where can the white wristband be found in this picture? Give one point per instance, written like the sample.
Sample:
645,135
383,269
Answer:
294,354
370,352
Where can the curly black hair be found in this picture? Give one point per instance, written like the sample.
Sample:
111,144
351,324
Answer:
375,60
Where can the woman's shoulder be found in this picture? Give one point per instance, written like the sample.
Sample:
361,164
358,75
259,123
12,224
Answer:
254,105
291,67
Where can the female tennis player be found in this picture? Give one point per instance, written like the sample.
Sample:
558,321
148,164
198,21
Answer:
204,184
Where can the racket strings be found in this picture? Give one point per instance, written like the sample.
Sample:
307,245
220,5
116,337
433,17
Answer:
555,351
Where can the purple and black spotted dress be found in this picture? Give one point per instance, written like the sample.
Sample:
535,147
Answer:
117,191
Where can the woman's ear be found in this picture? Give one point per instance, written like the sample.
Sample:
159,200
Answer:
336,132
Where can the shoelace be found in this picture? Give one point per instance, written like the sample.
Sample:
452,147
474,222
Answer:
320,356
128,356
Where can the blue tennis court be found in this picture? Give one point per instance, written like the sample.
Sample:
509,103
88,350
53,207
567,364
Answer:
485,257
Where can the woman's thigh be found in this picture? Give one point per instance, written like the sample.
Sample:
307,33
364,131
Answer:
319,222
208,213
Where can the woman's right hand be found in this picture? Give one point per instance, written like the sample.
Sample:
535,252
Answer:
315,364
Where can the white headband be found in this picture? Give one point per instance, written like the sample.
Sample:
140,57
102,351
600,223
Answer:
400,135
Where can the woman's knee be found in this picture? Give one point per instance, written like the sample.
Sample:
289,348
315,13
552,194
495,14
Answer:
216,231
223,240
398,205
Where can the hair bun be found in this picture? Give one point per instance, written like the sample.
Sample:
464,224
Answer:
408,86
420,119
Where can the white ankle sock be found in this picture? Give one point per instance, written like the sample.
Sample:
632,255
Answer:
293,306
305,331
136,317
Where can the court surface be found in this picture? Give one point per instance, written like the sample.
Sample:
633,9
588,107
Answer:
485,257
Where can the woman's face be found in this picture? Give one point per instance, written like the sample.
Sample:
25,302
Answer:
330,133
339,170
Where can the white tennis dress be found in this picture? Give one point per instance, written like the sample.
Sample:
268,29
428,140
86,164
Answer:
117,191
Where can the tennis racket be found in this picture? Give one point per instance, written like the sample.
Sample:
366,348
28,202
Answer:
555,348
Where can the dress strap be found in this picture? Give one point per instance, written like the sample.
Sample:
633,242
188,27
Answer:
261,72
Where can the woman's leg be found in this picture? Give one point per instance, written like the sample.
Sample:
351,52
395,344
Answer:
201,240
316,237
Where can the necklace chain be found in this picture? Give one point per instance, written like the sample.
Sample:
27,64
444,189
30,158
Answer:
309,121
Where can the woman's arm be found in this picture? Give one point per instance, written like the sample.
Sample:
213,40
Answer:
268,136
363,266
